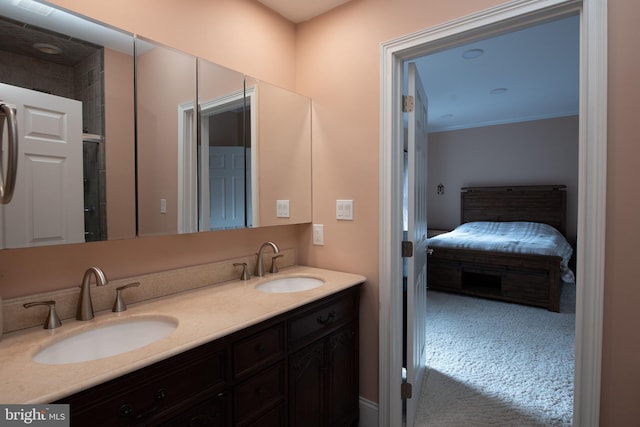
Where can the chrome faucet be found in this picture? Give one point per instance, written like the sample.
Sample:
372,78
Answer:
85,307
259,263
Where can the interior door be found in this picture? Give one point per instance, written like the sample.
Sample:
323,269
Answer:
48,203
226,186
417,232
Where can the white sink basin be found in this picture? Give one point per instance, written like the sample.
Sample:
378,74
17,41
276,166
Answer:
289,284
106,340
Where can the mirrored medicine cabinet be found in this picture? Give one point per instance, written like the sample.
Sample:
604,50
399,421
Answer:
181,145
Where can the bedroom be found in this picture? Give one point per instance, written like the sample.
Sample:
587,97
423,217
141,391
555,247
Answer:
539,148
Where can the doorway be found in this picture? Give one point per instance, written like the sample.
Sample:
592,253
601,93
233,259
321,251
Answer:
524,134
592,180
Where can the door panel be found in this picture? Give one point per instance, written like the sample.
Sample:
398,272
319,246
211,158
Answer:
417,231
226,186
48,204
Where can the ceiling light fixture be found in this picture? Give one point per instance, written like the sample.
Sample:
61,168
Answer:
48,48
498,91
472,53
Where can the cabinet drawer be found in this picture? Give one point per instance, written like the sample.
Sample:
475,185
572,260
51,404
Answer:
150,393
322,319
212,411
532,287
274,418
258,350
259,393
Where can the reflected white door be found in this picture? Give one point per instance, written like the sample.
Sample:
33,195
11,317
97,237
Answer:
226,187
417,232
47,207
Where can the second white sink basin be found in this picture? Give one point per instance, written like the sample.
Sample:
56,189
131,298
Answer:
107,340
290,284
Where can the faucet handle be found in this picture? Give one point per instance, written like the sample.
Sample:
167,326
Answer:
52,321
274,264
119,304
245,272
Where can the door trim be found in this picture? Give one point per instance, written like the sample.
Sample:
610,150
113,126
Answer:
591,192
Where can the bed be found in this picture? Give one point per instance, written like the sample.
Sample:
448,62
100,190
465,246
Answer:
482,257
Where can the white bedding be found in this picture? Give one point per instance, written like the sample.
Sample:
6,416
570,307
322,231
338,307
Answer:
512,237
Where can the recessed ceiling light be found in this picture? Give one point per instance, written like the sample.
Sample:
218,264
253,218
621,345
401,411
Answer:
472,53
48,48
498,91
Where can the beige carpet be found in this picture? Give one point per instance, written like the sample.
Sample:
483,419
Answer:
492,363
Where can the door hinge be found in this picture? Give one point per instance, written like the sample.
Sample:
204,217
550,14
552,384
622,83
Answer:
407,249
407,104
405,391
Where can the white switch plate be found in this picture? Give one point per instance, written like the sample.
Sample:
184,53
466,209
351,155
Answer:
318,234
344,209
282,208
163,206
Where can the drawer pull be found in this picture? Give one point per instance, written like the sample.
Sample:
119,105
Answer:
330,318
260,348
127,410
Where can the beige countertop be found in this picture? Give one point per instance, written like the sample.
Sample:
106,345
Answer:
203,315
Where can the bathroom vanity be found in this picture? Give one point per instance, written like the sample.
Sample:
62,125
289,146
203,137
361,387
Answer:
238,356
301,366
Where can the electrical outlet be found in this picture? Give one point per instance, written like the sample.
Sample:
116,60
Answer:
282,208
344,210
318,234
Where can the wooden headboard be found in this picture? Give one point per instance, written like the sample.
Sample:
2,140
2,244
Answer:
538,203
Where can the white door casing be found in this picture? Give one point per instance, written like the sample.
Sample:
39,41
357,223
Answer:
48,203
591,192
417,231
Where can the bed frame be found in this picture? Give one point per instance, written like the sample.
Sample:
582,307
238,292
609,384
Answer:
521,278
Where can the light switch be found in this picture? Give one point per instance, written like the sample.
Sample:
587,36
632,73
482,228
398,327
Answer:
163,206
282,208
344,209
318,234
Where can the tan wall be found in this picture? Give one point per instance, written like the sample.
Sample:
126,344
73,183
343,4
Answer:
165,79
338,66
621,336
119,145
336,62
526,153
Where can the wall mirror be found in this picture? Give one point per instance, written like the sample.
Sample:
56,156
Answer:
71,82
280,189
242,159
215,149
165,120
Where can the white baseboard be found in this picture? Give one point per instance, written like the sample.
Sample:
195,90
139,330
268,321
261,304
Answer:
368,413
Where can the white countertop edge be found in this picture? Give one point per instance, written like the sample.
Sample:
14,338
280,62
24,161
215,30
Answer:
204,315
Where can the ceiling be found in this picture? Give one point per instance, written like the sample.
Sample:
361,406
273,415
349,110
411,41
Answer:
538,66
298,11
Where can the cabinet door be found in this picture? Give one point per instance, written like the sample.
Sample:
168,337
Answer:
342,373
306,386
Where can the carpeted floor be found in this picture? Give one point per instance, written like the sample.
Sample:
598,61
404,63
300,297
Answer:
492,363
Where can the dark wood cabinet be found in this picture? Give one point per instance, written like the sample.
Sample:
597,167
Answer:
296,369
